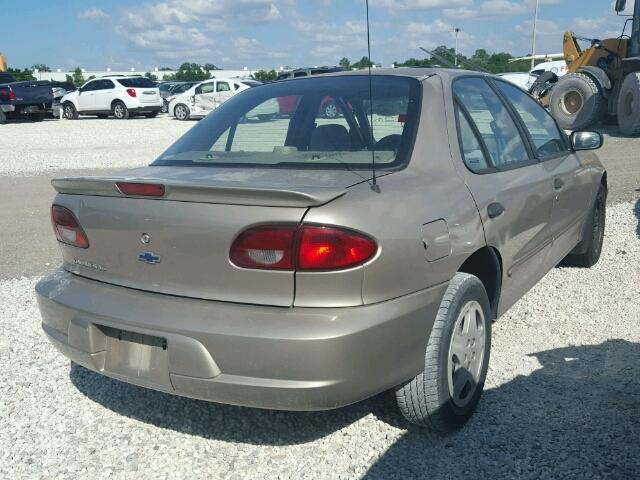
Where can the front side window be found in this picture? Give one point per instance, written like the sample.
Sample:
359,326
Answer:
205,88
545,134
90,87
318,122
494,122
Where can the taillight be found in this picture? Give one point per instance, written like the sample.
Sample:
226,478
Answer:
141,189
265,247
306,248
330,248
12,95
132,92
67,228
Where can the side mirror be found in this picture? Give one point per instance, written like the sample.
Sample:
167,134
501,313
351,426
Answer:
621,5
586,140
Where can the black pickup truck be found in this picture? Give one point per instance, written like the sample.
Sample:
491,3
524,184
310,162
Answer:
30,99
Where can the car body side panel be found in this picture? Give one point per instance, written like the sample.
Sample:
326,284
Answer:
429,190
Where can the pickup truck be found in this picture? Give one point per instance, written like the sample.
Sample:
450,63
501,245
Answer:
29,99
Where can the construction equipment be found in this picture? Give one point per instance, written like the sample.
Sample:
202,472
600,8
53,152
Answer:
3,63
601,80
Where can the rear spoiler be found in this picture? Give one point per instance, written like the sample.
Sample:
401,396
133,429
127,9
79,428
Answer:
202,193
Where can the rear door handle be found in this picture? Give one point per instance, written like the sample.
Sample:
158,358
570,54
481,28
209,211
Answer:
494,210
558,183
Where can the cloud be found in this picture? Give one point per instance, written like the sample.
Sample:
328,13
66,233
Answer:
92,14
395,5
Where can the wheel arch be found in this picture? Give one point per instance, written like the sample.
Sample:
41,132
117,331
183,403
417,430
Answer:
486,264
599,76
117,100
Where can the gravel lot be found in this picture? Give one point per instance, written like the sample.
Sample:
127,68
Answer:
32,148
562,402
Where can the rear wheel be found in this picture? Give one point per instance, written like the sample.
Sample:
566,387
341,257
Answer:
165,107
577,102
69,111
629,105
331,110
120,111
444,396
181,112
588,251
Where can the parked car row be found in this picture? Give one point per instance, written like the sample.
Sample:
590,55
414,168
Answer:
30,99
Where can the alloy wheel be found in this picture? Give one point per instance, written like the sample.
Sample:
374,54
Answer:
466,354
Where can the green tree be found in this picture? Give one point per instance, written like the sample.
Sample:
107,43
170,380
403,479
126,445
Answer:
345,63
190,72
364,62
265,76
41,67
151,76
210,66
165,69
416,62
21,75
77,78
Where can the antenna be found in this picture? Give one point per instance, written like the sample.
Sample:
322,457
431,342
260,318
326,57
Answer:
373,151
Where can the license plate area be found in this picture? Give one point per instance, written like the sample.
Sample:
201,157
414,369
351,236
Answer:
140,357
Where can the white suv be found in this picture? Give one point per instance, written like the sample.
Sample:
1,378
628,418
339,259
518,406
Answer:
119,96
204,97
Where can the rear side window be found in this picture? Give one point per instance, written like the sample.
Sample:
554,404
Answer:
299,74
547,138
136,82
494,122
473,155
222,87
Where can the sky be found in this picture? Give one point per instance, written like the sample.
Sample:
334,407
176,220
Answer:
272,33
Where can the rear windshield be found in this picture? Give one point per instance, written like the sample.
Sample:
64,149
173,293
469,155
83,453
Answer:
136,82
318,122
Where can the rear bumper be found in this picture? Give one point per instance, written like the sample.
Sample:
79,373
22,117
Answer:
267,357
146,109
7,108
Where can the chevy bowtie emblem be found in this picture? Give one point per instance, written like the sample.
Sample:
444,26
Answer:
148,257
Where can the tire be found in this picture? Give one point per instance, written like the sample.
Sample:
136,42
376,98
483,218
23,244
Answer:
120,111
165,107
102,116
629,105
330,110
181,112
36,117
3,118
577,102
69,111
588,251
427,400
151,114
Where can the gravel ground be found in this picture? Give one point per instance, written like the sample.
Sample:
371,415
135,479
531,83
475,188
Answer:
33,148
562,401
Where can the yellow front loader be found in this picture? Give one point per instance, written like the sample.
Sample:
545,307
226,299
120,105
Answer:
603,80
3,63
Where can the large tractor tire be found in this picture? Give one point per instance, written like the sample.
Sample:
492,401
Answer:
629,105
577,102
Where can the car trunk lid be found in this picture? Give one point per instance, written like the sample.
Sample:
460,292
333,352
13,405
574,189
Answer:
179,244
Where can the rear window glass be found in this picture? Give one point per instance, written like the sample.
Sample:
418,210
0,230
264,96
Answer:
318,122
137,82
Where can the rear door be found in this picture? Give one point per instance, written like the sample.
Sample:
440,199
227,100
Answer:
224,92
571,181
511,188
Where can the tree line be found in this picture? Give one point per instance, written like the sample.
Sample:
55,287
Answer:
498,62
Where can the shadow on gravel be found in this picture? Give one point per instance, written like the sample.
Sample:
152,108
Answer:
576,417
225,422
